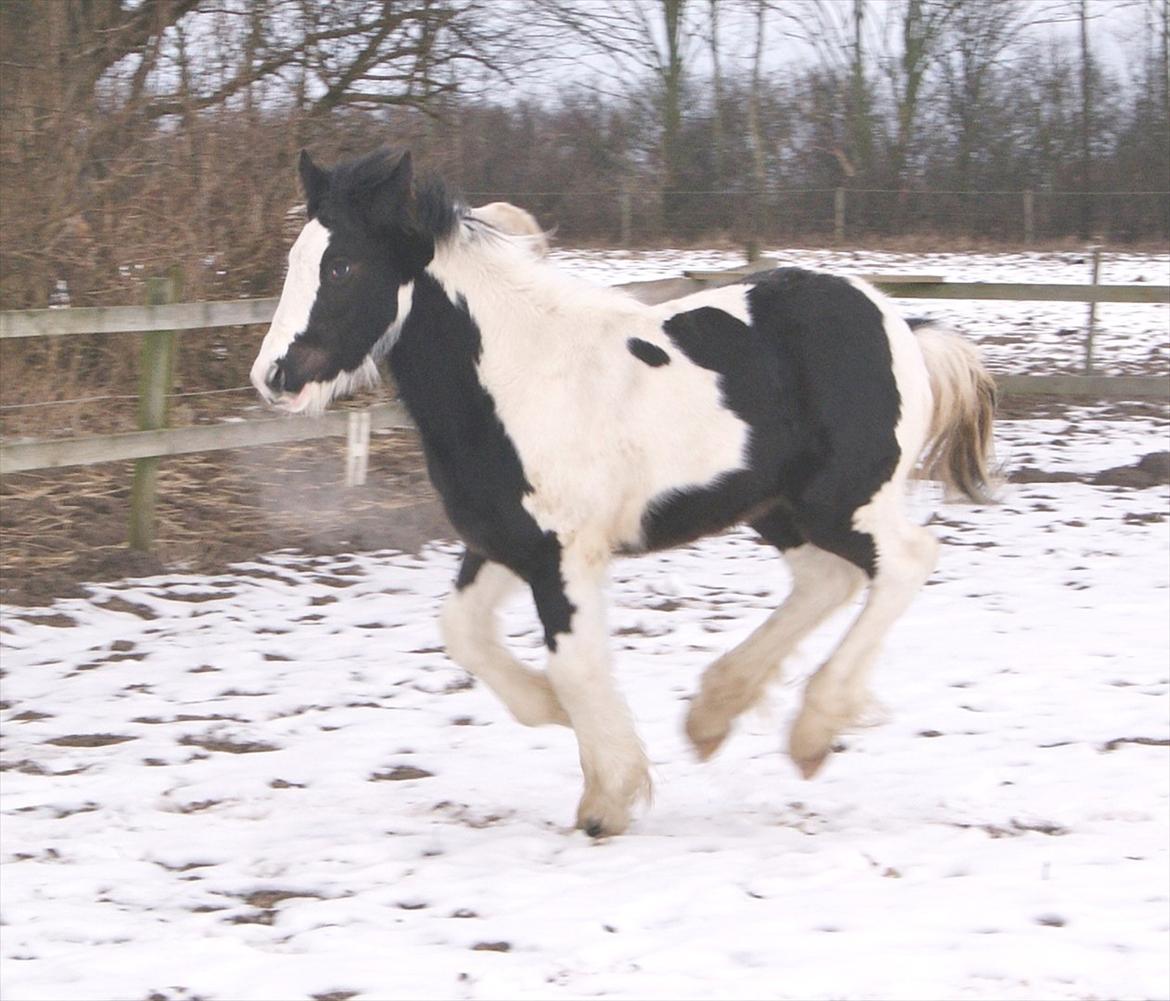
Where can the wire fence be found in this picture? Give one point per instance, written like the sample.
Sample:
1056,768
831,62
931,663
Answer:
638,213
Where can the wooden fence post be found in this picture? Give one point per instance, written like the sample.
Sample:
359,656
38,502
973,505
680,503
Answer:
839,215
155,377
626,217
1091,332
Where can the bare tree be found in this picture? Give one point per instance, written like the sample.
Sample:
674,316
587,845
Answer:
845,39
717,86
640,39
920,27
89,86
978,39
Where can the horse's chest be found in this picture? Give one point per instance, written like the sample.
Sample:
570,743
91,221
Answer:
599,448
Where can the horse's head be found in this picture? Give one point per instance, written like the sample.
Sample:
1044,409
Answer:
349,282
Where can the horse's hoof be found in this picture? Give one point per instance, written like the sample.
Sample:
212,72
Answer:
704,749
812,737
596,828
704,741
809,767
597,822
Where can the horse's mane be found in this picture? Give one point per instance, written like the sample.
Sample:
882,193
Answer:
451,224
438,210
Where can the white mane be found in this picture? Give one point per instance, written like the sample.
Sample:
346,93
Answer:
510,220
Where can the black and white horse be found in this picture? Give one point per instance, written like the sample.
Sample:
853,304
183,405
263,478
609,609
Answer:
564,423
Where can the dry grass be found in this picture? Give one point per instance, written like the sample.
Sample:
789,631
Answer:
60,528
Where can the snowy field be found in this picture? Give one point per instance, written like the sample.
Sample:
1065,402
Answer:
271,784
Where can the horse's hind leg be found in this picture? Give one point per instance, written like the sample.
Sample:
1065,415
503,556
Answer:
468,624
905,554
821,583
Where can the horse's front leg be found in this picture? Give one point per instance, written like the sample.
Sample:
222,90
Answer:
570,602
470,634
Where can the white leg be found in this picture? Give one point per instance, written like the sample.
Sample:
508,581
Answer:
468,624
821,583
836,694
613,760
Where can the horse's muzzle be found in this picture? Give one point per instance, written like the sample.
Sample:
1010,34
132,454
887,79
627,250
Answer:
270,384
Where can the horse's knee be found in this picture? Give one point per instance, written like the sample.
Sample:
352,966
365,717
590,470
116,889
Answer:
466,627
909,558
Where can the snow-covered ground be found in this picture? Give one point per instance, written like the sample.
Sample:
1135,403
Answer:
271,784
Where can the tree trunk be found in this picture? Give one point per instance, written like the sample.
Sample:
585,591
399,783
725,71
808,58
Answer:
1086,206
717,109
759,218
859,126
672,84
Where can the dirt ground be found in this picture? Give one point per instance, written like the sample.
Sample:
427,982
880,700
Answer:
61,528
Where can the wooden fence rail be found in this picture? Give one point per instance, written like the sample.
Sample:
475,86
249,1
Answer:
134,319
24,456
243,312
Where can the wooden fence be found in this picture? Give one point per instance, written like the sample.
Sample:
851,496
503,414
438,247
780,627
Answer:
159,320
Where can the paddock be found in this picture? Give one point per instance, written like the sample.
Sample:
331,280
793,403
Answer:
272,782
269,781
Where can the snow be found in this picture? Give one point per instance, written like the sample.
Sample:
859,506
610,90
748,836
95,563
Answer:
270,783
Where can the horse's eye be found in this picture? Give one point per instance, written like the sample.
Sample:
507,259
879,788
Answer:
338,270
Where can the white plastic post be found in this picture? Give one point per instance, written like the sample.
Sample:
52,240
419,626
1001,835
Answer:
357,448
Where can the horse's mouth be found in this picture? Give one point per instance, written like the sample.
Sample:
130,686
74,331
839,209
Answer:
315,395
305,401
308,401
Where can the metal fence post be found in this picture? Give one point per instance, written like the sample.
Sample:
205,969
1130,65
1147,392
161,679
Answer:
155,377
839,215
1029,217
1091,332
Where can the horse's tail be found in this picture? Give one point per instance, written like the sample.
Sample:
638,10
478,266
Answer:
959,448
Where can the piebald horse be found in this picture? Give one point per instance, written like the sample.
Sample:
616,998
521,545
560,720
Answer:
564,423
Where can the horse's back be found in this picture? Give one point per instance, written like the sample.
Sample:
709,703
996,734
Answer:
831,339
805,359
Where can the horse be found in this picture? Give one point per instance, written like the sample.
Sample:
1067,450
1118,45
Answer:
563,424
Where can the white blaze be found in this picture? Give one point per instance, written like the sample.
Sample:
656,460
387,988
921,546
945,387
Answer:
296,301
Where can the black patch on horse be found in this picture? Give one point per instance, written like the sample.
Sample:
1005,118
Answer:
472,461
469,569
753,388
646,352
812,377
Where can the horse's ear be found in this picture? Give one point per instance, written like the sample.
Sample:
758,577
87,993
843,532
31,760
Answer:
391,197
314,180
392,210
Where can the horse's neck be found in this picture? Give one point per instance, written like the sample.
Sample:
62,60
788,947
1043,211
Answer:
494,282
435,365
434,358
525,302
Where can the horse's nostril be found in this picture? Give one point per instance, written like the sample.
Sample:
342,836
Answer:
276,377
